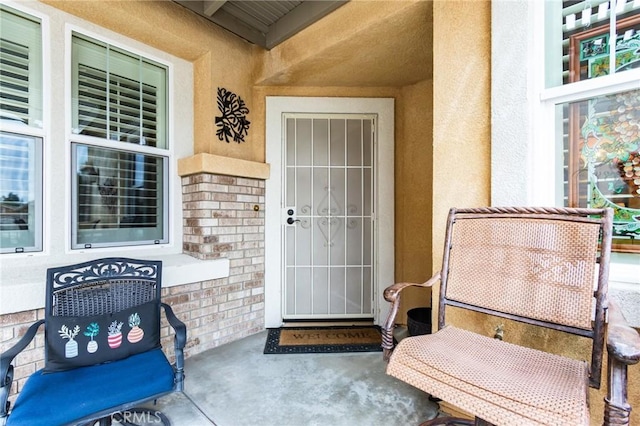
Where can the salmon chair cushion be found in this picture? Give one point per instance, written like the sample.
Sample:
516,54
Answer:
545,267
501,382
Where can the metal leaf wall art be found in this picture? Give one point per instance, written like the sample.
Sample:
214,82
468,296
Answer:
232,124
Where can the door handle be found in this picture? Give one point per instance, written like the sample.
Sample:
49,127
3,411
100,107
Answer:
291,220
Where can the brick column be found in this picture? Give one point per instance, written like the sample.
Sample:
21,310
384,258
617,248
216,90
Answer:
223,218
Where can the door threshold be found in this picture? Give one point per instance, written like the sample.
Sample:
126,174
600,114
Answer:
327,323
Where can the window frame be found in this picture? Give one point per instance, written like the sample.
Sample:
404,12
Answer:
36,130
38,191
549,176
73,139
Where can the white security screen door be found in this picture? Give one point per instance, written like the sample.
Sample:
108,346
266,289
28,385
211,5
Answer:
327,219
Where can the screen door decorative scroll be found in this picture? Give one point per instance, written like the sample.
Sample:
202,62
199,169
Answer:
327,218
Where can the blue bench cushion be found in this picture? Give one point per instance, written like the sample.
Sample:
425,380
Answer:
50,399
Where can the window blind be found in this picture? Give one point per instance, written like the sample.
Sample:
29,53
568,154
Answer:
20,68
118,95
14,80
583,16
586,17
125,112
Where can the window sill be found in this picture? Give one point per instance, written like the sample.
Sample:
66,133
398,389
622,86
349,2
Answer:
23,289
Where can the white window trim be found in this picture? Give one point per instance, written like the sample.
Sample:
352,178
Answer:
71,138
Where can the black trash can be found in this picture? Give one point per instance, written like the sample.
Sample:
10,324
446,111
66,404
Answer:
419,321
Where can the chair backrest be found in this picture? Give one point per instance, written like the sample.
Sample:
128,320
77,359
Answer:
534,265
109,305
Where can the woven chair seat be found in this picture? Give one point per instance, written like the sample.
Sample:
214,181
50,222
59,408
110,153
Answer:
500,382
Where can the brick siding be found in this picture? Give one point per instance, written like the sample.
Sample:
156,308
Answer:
223,218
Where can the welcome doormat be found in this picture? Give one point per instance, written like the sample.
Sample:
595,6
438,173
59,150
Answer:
289,340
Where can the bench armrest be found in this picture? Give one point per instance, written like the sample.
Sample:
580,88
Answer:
623,349
623,342
6,369
392,295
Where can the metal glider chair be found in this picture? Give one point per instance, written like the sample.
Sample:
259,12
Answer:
102,348
542,266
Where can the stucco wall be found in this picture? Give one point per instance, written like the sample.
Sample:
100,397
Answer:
414,193
512,111
461,111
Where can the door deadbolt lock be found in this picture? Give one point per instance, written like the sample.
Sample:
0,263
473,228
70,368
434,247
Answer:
290,212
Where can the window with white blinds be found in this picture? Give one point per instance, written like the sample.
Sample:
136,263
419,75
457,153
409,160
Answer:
118,95
119,197
587,35
21,147
597,132
20,68
120,191
15,79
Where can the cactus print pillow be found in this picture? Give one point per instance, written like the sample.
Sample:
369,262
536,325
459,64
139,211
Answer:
81,341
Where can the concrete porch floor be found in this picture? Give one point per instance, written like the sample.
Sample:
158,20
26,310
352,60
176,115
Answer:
236,384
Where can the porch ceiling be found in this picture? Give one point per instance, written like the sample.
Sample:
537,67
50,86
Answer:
364,44
265,23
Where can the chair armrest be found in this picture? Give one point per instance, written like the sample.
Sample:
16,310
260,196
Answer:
177,325
392,295
180,341
6,369
623,342
392,292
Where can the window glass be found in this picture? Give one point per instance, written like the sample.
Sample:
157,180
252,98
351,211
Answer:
118,95
602,160
580,43
120,197
20,193
20,68
119,188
